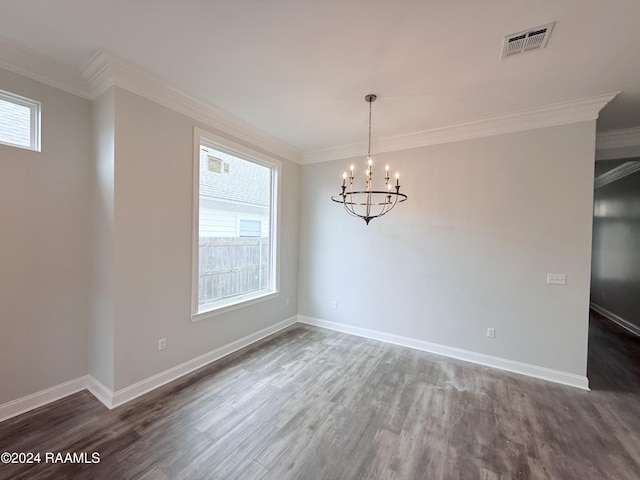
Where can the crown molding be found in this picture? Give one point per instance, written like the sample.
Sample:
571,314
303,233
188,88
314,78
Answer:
31,64
105,70
617,173
98,74
629,137
538,117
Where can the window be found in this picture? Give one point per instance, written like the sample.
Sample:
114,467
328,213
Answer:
235,226
250,228
19,121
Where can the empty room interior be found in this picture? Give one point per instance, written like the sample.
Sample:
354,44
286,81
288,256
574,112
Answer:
319,240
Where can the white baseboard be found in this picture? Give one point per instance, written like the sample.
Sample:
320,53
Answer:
627,325
38,399
111,399
101,392
543,373
133,391
114,399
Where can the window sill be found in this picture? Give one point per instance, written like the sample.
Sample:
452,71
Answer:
233,305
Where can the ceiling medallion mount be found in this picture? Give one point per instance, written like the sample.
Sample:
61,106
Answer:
369,203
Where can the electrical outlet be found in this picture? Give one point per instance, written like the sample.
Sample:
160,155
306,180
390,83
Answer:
334,304
287,301
491,332
162,344
557,278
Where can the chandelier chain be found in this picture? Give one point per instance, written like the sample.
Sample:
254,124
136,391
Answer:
369,149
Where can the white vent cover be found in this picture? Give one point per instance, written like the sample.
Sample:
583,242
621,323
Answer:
531,39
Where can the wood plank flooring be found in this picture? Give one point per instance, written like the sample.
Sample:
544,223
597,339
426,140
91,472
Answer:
316,404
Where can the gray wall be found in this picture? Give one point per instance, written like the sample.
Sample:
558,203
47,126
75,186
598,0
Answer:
95,255
152,246
485,222
45,246
615,270
101,321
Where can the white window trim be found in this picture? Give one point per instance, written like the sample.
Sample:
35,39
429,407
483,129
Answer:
241,151
34,127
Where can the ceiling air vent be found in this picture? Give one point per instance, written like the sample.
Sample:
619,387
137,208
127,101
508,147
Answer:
531,39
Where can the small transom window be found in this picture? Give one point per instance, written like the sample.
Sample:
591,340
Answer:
19,121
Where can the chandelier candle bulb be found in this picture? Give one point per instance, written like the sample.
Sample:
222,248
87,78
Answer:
369,203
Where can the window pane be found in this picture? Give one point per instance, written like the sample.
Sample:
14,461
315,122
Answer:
250,228
234,247
15,124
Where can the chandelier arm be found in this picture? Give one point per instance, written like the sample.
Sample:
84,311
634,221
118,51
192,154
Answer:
388,206
401,197
348,206
349,211
385,208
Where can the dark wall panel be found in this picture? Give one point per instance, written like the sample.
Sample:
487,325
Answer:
615,267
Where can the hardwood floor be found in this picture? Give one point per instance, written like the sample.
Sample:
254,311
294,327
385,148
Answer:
316,404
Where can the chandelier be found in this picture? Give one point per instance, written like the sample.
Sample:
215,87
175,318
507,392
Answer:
369,203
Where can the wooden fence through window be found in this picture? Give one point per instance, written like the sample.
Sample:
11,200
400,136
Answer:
231,266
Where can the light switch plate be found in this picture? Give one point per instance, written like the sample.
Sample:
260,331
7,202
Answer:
557,278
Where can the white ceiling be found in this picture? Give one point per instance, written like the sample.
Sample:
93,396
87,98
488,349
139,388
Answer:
299,69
